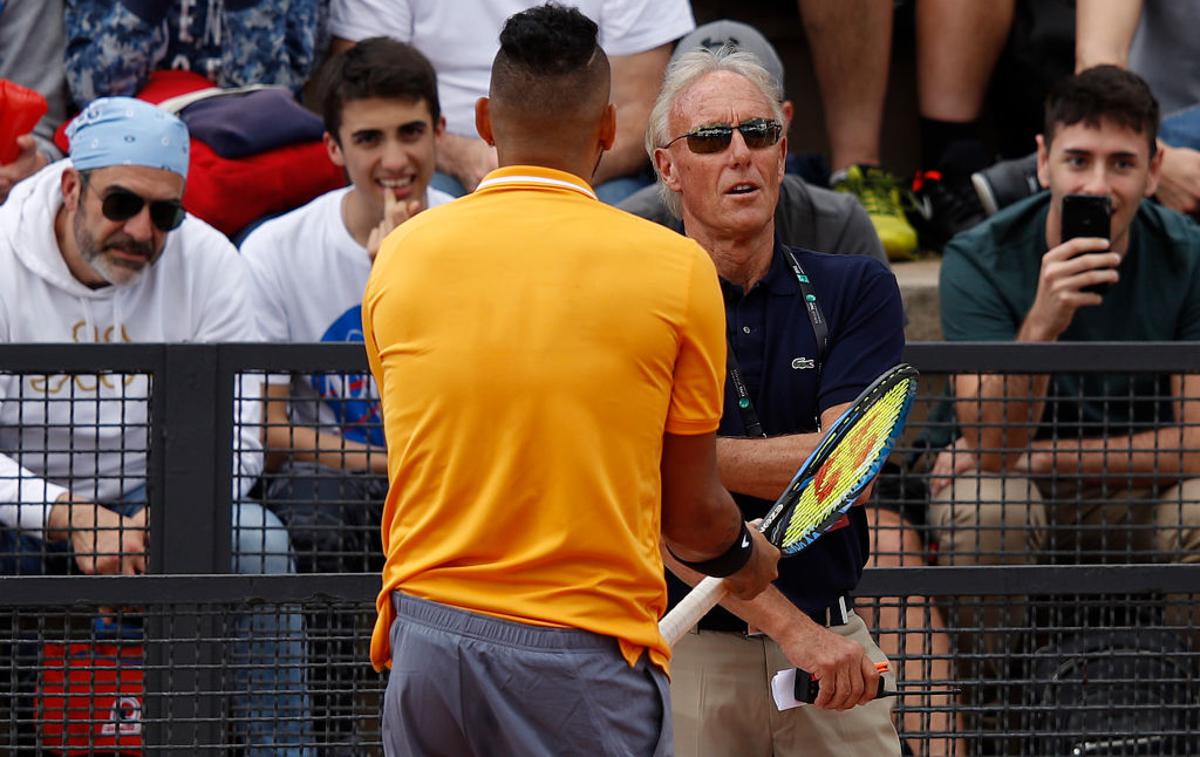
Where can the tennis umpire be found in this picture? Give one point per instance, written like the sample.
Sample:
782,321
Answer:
807,332
550,395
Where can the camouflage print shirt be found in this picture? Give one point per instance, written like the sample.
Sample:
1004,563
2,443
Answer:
113,45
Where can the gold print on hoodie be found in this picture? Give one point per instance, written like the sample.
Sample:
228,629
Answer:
52,385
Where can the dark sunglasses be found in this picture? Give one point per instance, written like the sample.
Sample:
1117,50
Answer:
119,205
757,133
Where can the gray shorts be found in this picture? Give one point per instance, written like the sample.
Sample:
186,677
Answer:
467,684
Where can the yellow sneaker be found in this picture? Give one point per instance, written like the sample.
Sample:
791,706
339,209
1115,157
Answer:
879,194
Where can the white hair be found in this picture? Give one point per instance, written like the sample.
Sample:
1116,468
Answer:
681,74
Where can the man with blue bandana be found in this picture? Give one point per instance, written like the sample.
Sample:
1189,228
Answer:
97,248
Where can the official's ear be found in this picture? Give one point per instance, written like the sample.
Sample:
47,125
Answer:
664,163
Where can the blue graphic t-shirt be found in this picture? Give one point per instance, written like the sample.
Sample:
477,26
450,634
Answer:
351,396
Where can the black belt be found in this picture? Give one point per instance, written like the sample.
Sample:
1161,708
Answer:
836,614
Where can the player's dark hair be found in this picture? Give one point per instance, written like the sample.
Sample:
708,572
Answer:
377,67
549,61
1103,93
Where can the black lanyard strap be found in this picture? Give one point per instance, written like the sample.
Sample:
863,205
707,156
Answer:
820,330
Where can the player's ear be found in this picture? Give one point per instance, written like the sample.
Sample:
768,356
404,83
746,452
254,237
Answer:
483,120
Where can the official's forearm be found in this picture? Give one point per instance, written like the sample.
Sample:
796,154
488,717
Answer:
770,612
762,467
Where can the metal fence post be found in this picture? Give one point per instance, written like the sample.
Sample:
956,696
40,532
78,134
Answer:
190,534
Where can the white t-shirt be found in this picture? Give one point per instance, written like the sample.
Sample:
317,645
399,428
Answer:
307,276
461,38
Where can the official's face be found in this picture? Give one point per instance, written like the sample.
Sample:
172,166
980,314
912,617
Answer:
733,190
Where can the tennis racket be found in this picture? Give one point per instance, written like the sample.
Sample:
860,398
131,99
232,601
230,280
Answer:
836,473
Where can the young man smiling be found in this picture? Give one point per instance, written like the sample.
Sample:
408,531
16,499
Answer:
309,268
326,464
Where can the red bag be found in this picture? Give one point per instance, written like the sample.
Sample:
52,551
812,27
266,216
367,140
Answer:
20,110
90,698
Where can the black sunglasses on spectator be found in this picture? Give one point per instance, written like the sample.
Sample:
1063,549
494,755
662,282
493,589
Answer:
118,204
757,133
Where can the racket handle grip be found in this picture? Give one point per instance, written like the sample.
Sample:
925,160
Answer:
707,594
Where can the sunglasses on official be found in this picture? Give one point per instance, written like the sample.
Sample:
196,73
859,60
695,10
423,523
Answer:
757,133
119,205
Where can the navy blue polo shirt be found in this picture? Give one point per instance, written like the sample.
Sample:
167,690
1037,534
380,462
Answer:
769,330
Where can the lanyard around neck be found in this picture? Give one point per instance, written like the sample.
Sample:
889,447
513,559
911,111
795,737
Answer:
820,330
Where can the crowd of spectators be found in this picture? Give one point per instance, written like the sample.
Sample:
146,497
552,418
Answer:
1026,468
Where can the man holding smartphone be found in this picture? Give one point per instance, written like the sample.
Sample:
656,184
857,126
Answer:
1050,464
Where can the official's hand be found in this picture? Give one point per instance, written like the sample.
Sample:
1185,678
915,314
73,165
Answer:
847,677
759,572
1066,270
28,162
394,214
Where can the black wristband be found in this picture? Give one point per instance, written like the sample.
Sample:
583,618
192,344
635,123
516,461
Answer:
728,562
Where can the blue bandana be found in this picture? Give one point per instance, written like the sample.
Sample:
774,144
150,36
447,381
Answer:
122,131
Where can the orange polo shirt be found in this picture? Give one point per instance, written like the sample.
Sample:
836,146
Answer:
531,346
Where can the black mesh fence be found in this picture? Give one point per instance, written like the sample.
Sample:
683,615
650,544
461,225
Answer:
1051,588
204,677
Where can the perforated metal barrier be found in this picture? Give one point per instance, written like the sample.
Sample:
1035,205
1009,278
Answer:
1064,606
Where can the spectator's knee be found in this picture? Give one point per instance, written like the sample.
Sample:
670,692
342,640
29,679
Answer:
260,541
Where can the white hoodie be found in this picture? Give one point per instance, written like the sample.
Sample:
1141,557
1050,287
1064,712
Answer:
90,433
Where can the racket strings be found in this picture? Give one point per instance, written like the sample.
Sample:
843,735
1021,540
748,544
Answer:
854,460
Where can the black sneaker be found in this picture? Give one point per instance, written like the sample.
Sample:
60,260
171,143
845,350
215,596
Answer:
942,208
1004,183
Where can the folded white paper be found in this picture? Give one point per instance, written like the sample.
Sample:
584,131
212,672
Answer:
783,689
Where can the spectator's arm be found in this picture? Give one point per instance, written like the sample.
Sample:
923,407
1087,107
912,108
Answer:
28,162
1149,457
847,675
763,467
1179,182
338,46
268,45
113,46
25,498
635,82
998,413
467,159
1104,30
285,440
226,315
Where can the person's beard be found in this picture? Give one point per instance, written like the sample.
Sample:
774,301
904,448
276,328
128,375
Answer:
115,271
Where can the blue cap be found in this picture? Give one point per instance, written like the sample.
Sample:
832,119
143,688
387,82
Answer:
123,131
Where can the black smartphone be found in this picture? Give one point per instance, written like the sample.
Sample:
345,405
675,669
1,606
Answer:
1087,216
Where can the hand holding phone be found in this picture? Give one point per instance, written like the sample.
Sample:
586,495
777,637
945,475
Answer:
1087,216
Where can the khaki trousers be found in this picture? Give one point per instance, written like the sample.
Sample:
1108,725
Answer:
983,519
721,703
996,520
